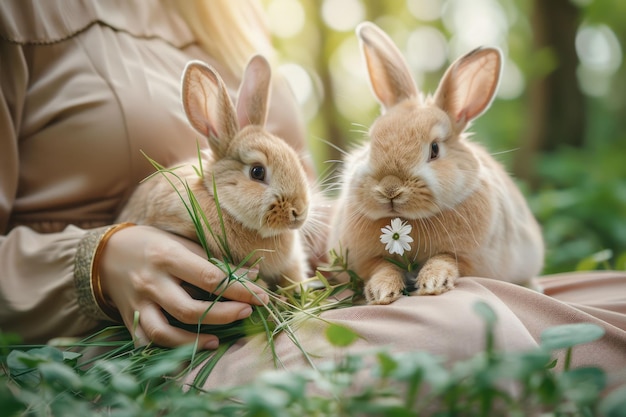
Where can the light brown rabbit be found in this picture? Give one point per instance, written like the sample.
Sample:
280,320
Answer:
261,185
467,215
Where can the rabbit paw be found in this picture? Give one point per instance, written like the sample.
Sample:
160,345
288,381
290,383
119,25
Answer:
384,289
437,276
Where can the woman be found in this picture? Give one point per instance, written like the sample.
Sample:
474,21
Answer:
85,86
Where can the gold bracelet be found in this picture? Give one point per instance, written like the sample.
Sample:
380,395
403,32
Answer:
103,302
91,299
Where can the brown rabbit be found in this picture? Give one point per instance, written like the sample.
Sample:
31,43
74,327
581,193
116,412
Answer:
467,216
261,184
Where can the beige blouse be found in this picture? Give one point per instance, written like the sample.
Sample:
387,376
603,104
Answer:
85,86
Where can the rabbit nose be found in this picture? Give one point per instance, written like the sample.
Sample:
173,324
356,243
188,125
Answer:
390,187
296,219
297,216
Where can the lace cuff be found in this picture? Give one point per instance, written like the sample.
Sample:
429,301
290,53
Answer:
91,300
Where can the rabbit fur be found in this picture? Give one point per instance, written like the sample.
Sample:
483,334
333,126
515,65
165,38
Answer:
467,215
261,184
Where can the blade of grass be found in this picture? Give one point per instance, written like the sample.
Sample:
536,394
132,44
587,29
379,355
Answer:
204,372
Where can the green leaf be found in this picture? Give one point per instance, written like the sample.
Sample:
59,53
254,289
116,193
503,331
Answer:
161,368
586,264
55,372
520,365
265,402
485,311
386,363
570,335
71,358
293,384
23,365
614,404
125,384
583,385
419,364
94,384
591,262
340,336
620,262
43,354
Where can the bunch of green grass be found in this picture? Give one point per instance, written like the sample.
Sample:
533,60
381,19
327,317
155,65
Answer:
289,306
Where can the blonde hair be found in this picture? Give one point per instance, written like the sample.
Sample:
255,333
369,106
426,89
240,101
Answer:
228,30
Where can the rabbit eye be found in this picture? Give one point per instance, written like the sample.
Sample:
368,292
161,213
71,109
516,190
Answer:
257,172
434,151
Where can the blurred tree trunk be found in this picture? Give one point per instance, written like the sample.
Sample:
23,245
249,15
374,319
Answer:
334,131
556,114
328,112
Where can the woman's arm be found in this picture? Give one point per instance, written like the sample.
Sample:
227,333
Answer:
37,294
45,278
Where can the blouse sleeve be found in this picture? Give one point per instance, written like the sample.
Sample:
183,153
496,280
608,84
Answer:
38,297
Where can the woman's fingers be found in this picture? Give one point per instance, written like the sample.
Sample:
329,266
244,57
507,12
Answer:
211,312
153,327
196,270
177,302
144,269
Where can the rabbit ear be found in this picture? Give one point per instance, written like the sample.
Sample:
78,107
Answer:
254,93
469,86
390,76
208,105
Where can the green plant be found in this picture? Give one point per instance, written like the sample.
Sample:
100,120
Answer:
126,381
581,208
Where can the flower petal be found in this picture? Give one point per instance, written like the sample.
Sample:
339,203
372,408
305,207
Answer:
405,229
397,247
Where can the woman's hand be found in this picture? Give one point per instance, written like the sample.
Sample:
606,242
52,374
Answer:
142,269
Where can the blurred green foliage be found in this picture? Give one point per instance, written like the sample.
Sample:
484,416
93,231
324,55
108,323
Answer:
145,381
576,185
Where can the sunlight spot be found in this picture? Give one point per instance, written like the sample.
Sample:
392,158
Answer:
512,81
286,17
426,10
426,49
349,58
352,94
600,55
299,80
598,48
342,15
303,88
475,23
593,83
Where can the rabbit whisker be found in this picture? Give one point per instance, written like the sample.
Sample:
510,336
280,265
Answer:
332,145
504,152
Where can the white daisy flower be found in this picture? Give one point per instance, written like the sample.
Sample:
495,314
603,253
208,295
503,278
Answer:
396,237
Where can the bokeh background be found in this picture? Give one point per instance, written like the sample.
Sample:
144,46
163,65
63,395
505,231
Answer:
558,123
